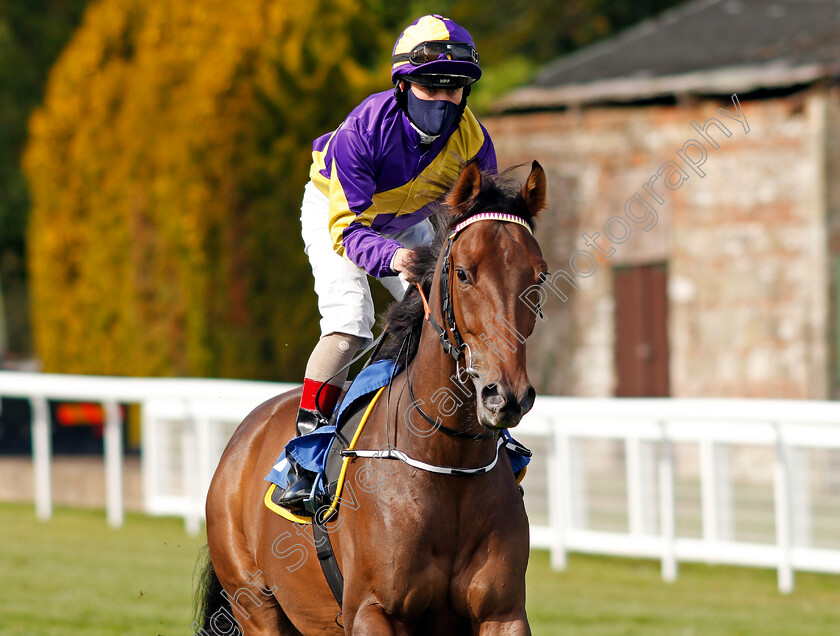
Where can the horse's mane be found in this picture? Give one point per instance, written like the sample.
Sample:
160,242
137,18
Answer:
403,320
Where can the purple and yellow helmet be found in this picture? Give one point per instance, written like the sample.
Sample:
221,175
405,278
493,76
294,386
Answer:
434,51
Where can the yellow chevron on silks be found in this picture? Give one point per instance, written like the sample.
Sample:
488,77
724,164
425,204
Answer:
430,185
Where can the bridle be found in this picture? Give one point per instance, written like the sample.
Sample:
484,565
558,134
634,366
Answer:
456,346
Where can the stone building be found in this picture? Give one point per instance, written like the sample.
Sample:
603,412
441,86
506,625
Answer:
693,228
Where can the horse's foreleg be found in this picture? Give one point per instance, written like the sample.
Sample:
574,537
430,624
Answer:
255,609
247,597
371,620
511,625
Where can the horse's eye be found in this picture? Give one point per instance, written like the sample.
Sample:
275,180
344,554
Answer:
461,275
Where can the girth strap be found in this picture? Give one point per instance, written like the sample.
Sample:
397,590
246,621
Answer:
326,557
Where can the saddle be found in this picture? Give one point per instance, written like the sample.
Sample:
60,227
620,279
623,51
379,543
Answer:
321,451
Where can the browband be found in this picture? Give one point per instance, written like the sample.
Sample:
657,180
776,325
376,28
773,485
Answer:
490,216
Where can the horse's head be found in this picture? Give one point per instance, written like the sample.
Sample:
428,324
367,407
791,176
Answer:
492,258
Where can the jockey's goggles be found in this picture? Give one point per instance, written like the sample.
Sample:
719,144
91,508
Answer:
435,50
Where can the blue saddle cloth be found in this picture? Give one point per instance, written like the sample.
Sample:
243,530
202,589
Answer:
310,451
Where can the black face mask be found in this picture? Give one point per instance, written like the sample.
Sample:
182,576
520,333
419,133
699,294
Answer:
433,117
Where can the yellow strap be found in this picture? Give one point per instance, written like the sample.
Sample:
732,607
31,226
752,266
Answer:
346,461
286,514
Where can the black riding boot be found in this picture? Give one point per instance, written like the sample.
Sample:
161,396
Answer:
300,479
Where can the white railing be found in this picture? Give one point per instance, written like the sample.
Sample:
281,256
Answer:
185,426
743,482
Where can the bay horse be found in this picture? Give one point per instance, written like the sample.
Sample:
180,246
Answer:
421,552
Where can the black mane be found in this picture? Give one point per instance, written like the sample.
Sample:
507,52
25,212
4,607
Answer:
403,320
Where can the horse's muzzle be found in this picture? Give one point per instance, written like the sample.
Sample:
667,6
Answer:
500,408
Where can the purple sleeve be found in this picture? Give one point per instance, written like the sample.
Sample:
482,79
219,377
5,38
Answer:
369,250
352,186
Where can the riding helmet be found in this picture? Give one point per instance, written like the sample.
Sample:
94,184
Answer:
435,52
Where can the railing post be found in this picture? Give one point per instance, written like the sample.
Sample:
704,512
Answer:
113,465
781,500
42,457
799,479
559,489
189,461
667,508
633,470
708,493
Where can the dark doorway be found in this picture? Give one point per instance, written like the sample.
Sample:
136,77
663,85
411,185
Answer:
641,330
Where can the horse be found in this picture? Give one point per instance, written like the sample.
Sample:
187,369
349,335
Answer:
421,552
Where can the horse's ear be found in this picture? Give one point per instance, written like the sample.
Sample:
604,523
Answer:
467,188
534,189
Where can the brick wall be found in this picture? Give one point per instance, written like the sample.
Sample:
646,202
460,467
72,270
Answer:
832,180
745,244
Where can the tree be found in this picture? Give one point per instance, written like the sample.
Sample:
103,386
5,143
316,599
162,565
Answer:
167,168
32,34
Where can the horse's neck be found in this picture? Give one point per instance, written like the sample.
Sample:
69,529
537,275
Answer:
438,393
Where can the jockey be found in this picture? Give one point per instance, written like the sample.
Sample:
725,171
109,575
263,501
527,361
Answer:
373,181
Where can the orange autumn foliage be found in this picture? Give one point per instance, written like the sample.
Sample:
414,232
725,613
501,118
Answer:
166,169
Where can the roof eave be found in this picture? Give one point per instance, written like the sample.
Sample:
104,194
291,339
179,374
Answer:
720,81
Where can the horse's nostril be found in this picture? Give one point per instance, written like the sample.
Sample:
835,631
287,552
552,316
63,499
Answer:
527,402
492,399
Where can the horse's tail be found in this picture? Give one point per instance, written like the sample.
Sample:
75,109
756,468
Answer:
213,615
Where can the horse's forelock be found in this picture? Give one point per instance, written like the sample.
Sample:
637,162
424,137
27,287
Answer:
499,193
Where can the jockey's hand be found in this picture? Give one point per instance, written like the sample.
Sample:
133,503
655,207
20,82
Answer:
403,259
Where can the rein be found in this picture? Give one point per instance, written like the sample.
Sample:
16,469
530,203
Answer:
438,426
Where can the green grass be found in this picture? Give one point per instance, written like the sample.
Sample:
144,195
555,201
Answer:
75,575
598,596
